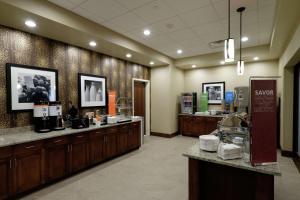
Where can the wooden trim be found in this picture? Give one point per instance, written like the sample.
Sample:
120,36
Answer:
165,135
287,153
296,109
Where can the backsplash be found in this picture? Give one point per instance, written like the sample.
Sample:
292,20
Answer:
27,49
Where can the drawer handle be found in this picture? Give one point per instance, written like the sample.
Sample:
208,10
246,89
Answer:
98,132
57,141
79,136
30,147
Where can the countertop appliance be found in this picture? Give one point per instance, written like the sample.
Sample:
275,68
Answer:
241,98
79,123
189,102
55,116
41,117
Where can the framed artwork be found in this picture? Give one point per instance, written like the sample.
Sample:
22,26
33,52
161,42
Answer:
92,91
27,84
215,92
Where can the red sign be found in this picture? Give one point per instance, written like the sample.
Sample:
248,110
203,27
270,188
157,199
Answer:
264,120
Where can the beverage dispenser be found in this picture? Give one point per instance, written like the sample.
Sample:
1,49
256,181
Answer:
41,117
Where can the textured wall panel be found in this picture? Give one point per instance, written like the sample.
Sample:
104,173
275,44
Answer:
24,48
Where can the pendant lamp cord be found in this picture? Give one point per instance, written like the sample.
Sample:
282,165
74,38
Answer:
241,37
228,19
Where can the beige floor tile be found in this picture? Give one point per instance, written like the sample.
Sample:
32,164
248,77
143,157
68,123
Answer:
157,171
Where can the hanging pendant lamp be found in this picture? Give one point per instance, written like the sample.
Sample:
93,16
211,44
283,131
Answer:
229,43
241,63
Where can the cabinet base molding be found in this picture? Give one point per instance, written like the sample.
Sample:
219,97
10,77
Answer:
165,135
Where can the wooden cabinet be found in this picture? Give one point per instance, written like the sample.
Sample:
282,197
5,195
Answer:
56,157
211,124
122,139
110,143
96,147
191,125
79,152
5,172
27,166
134,136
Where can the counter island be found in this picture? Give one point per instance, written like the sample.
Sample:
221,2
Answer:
211,178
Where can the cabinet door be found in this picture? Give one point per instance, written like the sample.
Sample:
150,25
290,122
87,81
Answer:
5,177
122,139
96,147
110,140
79,154
199,126
28,171
56,155
134,136
188,123
211,124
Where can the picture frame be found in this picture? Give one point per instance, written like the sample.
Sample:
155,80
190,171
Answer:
215,91
92,91
27,84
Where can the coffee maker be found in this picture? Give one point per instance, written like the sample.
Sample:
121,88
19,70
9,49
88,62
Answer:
41,117
55,116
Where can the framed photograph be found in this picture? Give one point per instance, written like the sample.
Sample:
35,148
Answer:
27,84
92,90
215,91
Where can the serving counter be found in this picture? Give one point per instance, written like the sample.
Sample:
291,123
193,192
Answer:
195,125
30,160
211,178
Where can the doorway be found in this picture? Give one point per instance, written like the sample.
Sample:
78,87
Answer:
141,101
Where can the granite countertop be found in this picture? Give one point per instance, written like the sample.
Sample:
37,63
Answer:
13,136
195,153
221,116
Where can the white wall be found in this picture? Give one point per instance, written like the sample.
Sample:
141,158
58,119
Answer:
167,83
194,78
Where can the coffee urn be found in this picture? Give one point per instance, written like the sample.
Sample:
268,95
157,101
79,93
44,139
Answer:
41,117
55,116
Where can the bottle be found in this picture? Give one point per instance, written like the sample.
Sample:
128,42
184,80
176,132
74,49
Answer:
93,92
87,93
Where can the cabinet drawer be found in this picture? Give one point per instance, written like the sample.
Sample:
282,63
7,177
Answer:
81,137
96,133
213,119
5,152
57,141
28,147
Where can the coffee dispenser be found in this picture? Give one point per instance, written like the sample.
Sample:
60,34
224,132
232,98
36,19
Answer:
55,116
41,117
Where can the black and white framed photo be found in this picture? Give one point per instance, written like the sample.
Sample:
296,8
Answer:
215,92
92,90
28,84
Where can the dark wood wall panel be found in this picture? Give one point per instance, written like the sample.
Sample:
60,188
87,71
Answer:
28,49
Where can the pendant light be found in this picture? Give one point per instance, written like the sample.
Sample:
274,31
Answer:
229,43
241,63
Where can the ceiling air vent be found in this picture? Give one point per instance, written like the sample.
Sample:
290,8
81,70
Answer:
216,44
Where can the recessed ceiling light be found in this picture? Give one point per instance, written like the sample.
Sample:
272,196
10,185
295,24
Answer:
147,32
30,23
222,62
151,63
93,43
179,51
256,58
245,39
128,55
194,66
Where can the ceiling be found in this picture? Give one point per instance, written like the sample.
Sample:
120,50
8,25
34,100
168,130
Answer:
179,24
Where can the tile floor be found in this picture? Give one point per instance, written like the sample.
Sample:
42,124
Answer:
157,171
